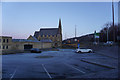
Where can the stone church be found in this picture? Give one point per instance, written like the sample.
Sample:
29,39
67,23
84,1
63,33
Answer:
50,34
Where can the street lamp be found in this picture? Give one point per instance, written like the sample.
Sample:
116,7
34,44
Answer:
107,34
113,21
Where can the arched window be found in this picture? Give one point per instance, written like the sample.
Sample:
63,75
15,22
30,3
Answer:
6,47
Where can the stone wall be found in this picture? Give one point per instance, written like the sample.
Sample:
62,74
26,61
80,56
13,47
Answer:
55,39
5,44
20,45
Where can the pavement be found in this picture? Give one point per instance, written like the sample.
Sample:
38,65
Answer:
63,64
0,66
109,51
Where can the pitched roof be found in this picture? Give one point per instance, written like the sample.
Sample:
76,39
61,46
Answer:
46,40
33,37
36,34
5,36
24,40
48,31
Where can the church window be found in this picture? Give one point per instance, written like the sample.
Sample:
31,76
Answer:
3,40
3,47
7,40
6,47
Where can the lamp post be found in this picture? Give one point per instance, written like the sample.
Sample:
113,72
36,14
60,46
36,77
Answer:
107,27
75,34
75,31
107,34
113,21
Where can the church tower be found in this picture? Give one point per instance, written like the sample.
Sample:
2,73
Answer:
60,32
60,27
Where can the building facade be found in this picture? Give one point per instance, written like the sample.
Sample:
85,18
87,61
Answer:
5,44
53,34
9,45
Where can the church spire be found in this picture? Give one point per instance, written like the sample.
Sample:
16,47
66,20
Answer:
60,27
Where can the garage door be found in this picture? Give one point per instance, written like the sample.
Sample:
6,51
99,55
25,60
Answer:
28,47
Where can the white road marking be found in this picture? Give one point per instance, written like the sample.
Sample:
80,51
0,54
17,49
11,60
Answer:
46,71
74,68
13,74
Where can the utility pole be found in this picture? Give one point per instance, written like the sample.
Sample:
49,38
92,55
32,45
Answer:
113,21
107,34
75,34
95,36
65,36
107,25
75,31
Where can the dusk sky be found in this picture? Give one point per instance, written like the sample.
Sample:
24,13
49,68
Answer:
21,19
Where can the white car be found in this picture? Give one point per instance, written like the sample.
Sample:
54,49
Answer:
81,50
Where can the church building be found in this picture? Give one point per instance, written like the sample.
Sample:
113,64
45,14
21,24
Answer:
50,34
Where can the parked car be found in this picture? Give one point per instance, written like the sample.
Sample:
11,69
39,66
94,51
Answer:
35,50
95,43
109,43
81,50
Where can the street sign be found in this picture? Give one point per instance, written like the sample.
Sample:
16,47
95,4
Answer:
78,45
96,35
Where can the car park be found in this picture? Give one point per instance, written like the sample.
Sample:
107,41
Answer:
35,50
82,50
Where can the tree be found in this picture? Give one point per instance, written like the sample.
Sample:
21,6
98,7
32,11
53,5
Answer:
106,34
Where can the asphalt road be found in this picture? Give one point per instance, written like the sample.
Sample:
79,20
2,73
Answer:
51,64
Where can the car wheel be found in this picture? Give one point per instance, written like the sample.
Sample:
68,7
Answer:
79,52
90,51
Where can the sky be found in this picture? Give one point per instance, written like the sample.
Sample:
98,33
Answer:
21,19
